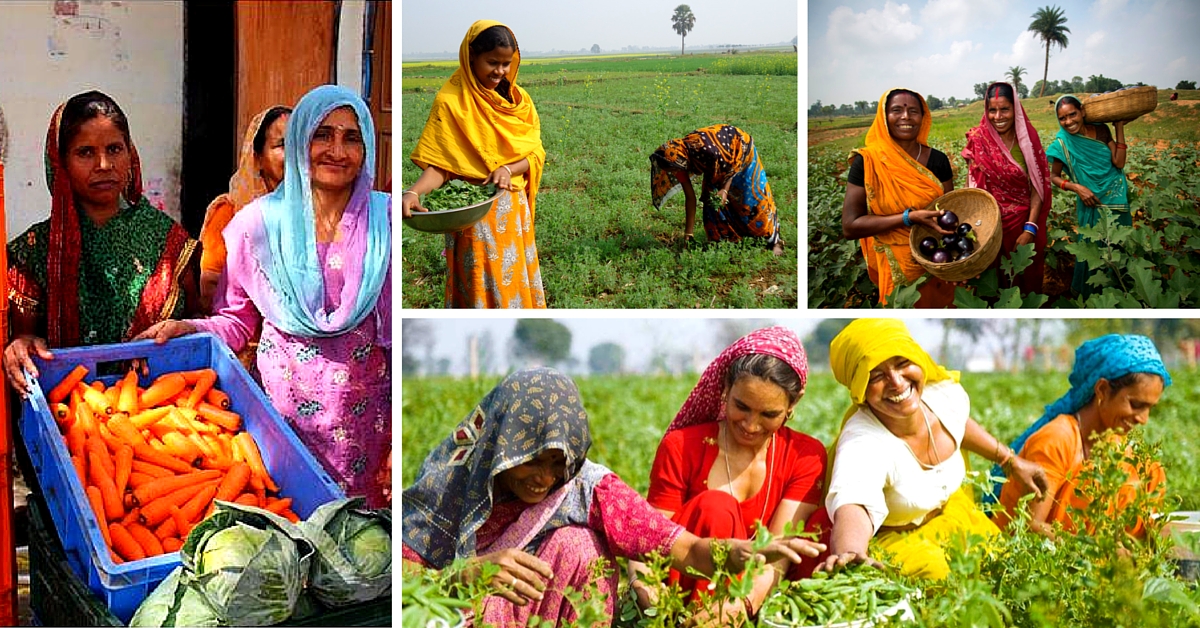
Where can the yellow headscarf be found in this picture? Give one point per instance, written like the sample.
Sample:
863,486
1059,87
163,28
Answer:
868,342
473,130
894,181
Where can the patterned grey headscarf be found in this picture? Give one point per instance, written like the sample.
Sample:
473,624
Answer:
531,411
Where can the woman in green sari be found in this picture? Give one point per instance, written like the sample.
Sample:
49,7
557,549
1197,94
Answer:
1093,159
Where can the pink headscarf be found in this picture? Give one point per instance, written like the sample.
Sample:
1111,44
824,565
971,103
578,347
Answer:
704,404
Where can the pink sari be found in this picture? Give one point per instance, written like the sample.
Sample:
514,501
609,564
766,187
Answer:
992,168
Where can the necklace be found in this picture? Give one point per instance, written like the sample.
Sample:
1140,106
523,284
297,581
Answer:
729,471
920,151
1014,142
932,444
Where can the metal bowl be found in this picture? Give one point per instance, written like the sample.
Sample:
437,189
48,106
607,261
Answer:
451,220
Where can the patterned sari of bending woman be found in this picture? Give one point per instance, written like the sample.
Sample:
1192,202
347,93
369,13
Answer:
726,159
479,132
1115,382
1005,157
894,181
1094,177
95,273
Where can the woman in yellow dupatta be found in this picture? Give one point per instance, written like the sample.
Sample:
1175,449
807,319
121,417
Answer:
898,465
483,128
892,184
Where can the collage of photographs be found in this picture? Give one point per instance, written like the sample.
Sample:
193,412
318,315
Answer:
710,400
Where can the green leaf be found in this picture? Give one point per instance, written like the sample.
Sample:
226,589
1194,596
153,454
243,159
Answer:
1034,300
907,296
1017,261
963,298
987,285
1010,298
1148,288
1102,300
1087,251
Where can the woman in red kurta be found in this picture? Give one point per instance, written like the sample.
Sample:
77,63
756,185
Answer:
728,462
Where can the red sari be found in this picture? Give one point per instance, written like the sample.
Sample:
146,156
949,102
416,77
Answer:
991,167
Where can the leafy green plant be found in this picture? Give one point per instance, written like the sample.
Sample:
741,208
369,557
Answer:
456,194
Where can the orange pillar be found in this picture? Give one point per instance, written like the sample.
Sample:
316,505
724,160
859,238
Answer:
8,554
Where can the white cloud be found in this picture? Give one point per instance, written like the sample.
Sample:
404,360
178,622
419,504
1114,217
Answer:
1027,49
1102,8
1095,41
939,63
954,17
873,28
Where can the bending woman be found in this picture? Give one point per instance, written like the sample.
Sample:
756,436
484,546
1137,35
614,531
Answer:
728,461
1005,158
893,183
1094,160
899,466
728,163
106,265
484,129
311,263
1116,381
527,499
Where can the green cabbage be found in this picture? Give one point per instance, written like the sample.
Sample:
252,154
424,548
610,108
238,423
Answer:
176,601
251,564
353,552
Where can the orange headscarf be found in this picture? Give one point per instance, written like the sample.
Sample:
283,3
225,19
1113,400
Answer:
894,181
473,130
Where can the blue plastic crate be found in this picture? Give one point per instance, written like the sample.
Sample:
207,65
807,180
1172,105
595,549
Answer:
124,586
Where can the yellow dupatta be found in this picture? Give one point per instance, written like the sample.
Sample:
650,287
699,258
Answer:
894,181
472,130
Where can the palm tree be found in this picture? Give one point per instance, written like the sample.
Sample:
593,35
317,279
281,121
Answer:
1015,73
682,22
1050,24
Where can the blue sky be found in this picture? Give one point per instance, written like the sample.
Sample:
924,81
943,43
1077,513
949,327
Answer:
542,25
857,49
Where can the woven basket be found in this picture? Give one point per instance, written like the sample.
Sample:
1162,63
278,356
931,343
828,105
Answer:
979,209
1125,104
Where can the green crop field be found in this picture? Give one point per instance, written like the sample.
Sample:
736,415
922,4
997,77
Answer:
1152,264
600,242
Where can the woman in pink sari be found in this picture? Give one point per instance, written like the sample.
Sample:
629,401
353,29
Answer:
1005,157
512,486
311,263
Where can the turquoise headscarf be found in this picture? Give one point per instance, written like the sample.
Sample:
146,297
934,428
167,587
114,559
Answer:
1107,357
293,298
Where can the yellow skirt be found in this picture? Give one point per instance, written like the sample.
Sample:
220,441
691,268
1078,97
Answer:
494,264
921,552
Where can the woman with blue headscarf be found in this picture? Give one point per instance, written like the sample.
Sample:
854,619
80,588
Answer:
311,263
1116,380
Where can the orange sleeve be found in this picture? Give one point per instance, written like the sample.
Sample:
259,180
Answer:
212,256
1055,448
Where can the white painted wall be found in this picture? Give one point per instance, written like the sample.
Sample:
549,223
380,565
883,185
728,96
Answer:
351,28
130,50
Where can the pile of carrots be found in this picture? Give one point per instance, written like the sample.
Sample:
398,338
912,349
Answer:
153,460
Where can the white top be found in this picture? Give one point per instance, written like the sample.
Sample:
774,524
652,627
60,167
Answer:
875,469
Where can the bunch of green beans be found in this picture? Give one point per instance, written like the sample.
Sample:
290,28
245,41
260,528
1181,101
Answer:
852,594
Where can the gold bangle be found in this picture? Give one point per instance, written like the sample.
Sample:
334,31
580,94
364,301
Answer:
410,192
510,174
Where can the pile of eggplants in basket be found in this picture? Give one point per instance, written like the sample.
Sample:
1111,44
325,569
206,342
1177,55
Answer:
960,244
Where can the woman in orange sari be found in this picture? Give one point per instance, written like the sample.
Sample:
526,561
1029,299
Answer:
483,128
893,183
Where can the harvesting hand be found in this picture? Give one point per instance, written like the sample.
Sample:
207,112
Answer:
17,360
410,203
502,177
929,218
837,562
1089,199
522,576
792,549
1030,476
1025,238
165,330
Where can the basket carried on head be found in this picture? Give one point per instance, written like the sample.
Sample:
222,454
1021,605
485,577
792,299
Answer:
972,206
1125,104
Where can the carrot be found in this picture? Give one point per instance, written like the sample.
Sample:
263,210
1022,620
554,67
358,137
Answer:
85,418
62,414
127,401
76,437
157,511
157,445
234,482
254,459
231,421
98,385
97,502
80,464
141,466
290,516
172,544
218,399
131,517
113,395
163,388
195,506
111,441
170,526
96,445
149,454
247,499
124,428
147,418
124,467
124,544
63,389
136,479
182,448
144,537
95,399
162,486
114,508
206,450
204,383
280,505
261,495
216,462
193,376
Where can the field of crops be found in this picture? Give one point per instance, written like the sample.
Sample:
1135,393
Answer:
600,242
1025,581
1151,264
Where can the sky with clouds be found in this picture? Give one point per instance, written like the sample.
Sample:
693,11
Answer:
857,49
543,25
